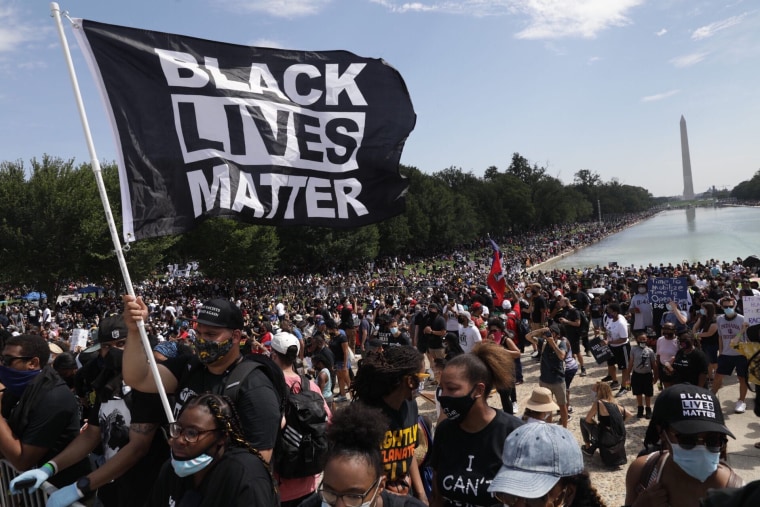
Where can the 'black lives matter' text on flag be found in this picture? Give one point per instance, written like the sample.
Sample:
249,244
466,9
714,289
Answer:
267,136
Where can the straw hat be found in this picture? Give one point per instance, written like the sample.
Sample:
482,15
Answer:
541,400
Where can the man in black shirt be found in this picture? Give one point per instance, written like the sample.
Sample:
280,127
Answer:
433,331
42,413
218,334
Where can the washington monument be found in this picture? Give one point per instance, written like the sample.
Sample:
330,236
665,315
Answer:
688,184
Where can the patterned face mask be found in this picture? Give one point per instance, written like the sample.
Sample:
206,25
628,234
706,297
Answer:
210,351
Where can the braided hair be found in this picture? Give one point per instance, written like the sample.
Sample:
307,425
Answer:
228,422
382,371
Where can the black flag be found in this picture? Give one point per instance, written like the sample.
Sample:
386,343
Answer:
267,136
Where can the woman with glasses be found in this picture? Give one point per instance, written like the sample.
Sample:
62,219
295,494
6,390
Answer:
688,422
354,473
389,380
211,462
543,467
468,443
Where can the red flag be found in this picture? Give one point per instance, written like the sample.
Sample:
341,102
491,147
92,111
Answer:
496,281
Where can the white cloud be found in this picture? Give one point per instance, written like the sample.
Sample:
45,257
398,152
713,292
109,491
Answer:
661,32
554,19
546,19
710,30
13,33
688,60
267,43
33,65
659,96
280,8
593,60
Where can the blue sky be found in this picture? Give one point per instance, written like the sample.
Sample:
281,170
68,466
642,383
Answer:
569,84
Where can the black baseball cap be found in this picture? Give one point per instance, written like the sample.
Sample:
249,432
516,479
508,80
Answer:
689,409
220,313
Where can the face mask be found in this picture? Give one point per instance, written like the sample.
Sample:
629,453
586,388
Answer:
209,351
183,468
528,294
456,407
697,462
642,290
114,358
642,344
702,311
729,312
394,330
15,381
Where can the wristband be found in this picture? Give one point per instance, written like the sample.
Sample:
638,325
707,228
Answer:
53,467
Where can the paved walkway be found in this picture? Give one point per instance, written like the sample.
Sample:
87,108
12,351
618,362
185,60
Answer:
742,455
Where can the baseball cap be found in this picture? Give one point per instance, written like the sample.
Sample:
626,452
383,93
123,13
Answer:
220,313
535,457
557,294
282,341
688,409
506,305
111,329
476,305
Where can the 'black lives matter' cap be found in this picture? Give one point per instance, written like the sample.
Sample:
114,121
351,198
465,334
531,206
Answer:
220,313
689,409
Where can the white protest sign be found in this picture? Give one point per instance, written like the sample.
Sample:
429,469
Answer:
751,305
79,339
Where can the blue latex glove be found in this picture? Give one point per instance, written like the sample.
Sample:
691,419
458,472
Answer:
38,475
64,496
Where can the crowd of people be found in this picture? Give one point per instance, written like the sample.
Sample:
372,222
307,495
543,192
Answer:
356,350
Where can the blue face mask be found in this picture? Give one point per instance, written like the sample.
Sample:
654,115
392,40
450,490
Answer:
702,311
729,312
698,462
15,381
187,467
394,330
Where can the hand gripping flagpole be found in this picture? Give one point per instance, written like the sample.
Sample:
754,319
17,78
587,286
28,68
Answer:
56,11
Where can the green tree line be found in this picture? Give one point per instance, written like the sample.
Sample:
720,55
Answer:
748,190
53,226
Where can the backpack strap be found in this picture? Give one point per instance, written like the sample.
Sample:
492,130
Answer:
236,377
734,481
650,472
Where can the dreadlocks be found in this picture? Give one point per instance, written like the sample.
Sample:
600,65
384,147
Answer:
382,371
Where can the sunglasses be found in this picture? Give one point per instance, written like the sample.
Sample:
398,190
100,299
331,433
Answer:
713,441
8,360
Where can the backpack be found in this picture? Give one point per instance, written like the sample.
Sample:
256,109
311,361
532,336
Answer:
268,367
523,328
302,445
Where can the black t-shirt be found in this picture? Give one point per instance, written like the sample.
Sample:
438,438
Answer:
579,300
539,310
689,366
114,418
465,463
237,479
53,423
436,323
336,345
400,440
571,314
257,402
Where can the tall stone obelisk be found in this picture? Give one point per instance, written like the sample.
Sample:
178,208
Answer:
688,183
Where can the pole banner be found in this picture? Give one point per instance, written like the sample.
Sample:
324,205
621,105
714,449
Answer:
267,136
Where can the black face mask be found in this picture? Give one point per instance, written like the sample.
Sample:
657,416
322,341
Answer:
456,407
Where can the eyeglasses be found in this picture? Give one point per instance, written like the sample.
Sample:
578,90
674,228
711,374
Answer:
510,500
713,441
8,360
349,499
191,435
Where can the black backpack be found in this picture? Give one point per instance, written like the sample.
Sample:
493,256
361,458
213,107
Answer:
302,444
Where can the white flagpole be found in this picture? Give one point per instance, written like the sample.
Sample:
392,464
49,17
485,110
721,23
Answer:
107,207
